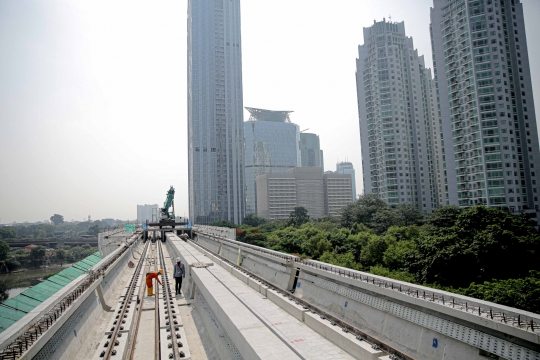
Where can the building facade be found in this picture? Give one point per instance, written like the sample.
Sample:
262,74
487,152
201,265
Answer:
311,153
271,146
215,112
484,85
144,213
321,194
397,127
345,167
337,192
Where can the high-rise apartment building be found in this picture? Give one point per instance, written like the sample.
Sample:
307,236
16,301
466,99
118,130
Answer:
398,127
484,86
311,153
271,146
320,194
215,112
345,167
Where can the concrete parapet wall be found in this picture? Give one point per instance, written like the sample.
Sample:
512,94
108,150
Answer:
271,265
392,311
224,232
65,337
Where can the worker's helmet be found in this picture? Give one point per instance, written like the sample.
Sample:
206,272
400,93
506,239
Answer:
177,259
160,271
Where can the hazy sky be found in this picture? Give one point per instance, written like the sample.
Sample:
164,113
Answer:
93,110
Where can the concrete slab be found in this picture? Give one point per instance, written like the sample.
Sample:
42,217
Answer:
251,337
347,341
305,342
145,341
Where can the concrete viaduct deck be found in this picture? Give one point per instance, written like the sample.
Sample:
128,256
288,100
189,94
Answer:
240,301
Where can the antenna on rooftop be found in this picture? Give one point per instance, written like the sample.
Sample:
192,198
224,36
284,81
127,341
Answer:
304,130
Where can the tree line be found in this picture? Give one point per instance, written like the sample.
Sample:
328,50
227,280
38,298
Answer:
13,259
480,252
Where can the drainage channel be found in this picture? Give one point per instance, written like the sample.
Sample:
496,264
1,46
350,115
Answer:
376,344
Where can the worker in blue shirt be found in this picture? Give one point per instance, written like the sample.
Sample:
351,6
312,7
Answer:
179,274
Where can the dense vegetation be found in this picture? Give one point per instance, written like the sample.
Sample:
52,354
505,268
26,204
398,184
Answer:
17,258
480,252
39,231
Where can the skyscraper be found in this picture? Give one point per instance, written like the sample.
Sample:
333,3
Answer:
346,167
271,145
398,125
484,86
215,112
310,148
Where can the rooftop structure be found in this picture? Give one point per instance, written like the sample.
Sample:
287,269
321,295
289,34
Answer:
268,115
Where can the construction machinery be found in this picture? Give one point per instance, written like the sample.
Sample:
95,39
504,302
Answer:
167,218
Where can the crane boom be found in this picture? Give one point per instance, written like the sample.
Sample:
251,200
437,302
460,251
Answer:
167,216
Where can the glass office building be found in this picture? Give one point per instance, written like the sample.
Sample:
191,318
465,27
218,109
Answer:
271,146
310,149
215,112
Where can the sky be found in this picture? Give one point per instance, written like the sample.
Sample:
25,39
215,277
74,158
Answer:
93,104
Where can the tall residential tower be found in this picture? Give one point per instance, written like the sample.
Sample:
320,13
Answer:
484,86
215,112
401,158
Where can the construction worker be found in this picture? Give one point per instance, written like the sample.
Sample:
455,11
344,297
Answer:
179,273
151,276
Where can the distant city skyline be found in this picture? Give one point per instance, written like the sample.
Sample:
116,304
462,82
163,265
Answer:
93,91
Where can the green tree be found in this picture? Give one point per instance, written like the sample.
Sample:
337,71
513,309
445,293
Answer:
4,251
7,233
93,230
362,210
521,293
57,219
382,220
392,274
61,254
443,217
37,253
344,260
224,223
409,214
317,245
473,249
398,253
253,220
373,252
298,216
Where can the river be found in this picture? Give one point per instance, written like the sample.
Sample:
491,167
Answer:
12,284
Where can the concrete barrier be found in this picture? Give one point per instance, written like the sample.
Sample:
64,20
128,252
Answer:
283,302
423,328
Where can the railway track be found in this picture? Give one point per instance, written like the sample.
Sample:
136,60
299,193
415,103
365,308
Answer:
128,336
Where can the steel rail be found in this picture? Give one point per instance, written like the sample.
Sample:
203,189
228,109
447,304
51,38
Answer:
377,344
137,317
157,345
113,339
170,316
